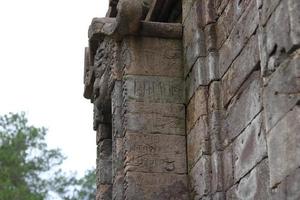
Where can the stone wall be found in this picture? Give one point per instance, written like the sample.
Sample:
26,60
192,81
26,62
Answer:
241,72
203,109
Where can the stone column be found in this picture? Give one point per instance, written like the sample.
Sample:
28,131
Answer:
154,119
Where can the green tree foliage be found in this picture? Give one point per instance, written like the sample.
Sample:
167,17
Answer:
27,166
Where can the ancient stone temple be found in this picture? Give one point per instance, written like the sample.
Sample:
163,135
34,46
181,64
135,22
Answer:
196,99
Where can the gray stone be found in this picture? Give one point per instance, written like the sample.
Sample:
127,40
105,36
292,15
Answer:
240,69
153,89
283,146
143,57
197,107
238,37
159,186
249,148
255,185
282,91
217,174
200,177
244,107
197,142
294,7
193,37
155,153
228,167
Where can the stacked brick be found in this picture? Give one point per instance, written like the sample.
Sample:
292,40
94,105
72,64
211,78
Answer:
242,95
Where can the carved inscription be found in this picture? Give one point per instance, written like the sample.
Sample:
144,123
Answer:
155,89
145,59
155,153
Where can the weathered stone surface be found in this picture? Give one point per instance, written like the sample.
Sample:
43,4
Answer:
213,66
214,125
104,192
103,132
159,186
193,36
214,100
268,7
197,107
277,30
282,91
155,153
155,123
216,174
238,37
231,14
143,57
249,148
117,156
153,89
104,162
283,146
228,167
200,177
197,141
293,185
255,185
293,9
197,77
118,188
240,69
219,196
165,109
244,107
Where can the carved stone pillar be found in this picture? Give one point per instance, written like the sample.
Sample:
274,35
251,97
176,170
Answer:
134,78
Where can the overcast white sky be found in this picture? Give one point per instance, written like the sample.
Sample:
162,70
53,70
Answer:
41,69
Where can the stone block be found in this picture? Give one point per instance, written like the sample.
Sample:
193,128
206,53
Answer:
228,167
155,153
197,141
118,188
238,37
244,107
256,184
210,36
214,125
117,156
244,64
103,132
193,36
104,192
217,174
249,148
197,107
294,7
152,56
158,186
197,77
165,109
154,123
282,91
230,12
277,30
186,8
213,66
293,185
288,188
214,98
268,8
105,149
154,89
283,146
200,177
